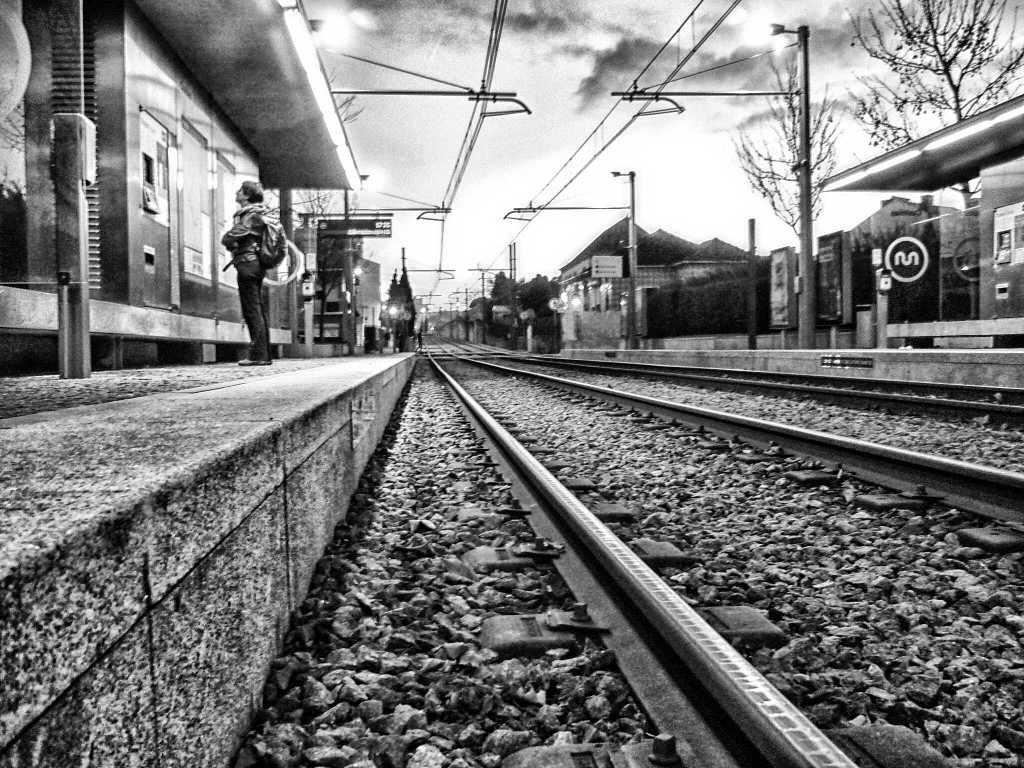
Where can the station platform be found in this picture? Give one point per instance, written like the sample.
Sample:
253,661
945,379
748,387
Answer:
153,545
989,367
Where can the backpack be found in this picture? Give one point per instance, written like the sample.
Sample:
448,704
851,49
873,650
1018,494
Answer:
273,246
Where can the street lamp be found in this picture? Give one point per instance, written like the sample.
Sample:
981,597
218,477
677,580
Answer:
392,314
807,304
632,342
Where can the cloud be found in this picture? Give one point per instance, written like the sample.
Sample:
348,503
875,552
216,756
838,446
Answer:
613,68
538,22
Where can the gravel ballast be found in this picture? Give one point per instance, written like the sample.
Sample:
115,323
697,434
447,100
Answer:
383,666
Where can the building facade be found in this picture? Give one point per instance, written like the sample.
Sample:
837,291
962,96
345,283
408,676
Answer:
181,117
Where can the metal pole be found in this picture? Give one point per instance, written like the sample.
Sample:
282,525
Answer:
752,285
483,307
632,340
293,290
808,302
514,335
881,315
70,161
348,327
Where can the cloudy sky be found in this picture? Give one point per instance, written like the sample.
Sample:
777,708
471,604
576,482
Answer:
563,60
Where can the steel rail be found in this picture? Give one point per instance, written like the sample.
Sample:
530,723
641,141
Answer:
766,377
984,490
770,721
837,392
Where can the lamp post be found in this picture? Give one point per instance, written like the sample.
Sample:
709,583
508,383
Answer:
348,321
358,331
807,303
632,342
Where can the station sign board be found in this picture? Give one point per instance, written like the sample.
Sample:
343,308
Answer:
356,226
500,310
605,266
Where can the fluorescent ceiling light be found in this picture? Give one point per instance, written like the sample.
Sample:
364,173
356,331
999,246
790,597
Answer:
1007,115
963,133
845,182
883,166
304,46
896,160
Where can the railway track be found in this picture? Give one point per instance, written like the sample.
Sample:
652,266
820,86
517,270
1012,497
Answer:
999,404
988,491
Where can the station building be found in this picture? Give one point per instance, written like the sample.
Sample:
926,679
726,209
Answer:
957,273
188,99
595,282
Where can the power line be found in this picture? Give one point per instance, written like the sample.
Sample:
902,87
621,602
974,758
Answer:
722,66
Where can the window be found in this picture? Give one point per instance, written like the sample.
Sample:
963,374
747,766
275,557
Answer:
226,187
153,141
196,204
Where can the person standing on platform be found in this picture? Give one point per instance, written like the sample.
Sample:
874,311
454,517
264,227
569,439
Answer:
243,241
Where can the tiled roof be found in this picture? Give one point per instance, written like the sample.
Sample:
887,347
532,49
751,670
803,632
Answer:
655,249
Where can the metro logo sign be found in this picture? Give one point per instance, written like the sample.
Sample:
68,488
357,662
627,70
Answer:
907,259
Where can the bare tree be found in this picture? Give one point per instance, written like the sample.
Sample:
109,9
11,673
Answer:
769,154
12,129
947,60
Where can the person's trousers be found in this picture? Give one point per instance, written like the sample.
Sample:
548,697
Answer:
254,311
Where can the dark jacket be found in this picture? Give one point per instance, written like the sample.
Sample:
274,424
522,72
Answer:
246,233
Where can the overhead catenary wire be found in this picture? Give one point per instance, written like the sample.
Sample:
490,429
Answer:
403,71
616,105
479,110
679,65
717,67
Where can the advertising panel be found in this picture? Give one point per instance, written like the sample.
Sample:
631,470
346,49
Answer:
830,278
783,297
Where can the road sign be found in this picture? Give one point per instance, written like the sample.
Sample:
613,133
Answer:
605,266
358,226
527,314
558,305
907,259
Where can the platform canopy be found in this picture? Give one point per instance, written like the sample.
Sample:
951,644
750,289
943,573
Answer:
257,59
950,156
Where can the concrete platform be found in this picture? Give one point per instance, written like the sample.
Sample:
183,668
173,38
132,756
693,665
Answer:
995,368
151,550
